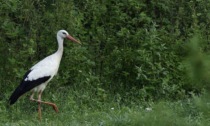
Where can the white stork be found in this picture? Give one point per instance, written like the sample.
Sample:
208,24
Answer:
41,73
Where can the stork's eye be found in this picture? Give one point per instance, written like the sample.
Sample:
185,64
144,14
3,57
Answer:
64,33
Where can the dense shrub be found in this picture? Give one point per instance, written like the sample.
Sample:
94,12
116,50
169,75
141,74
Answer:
132,50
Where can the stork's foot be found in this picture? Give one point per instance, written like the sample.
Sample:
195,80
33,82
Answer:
52,104
55,107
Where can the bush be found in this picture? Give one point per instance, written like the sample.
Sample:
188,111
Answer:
131,50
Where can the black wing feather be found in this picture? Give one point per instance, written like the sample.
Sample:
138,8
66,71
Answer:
26,86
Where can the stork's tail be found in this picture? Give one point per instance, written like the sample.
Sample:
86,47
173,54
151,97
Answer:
15,95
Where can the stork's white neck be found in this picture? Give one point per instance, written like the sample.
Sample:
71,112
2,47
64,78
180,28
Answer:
60,46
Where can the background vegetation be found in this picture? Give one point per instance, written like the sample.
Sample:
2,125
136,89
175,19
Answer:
136,56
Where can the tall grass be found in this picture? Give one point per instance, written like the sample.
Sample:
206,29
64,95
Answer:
189,112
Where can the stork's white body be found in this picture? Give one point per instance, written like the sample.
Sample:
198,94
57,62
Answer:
46,67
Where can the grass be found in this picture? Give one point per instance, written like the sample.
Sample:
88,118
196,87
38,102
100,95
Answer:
189,112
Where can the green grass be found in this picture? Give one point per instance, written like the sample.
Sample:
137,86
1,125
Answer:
190,112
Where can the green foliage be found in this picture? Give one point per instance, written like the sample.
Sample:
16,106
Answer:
132,52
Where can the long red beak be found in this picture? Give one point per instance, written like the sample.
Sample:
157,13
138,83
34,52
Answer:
72,39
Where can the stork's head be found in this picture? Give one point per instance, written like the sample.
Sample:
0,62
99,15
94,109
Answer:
64,34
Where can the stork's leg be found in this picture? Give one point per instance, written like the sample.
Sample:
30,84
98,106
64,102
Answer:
39,105
39,108
48,103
